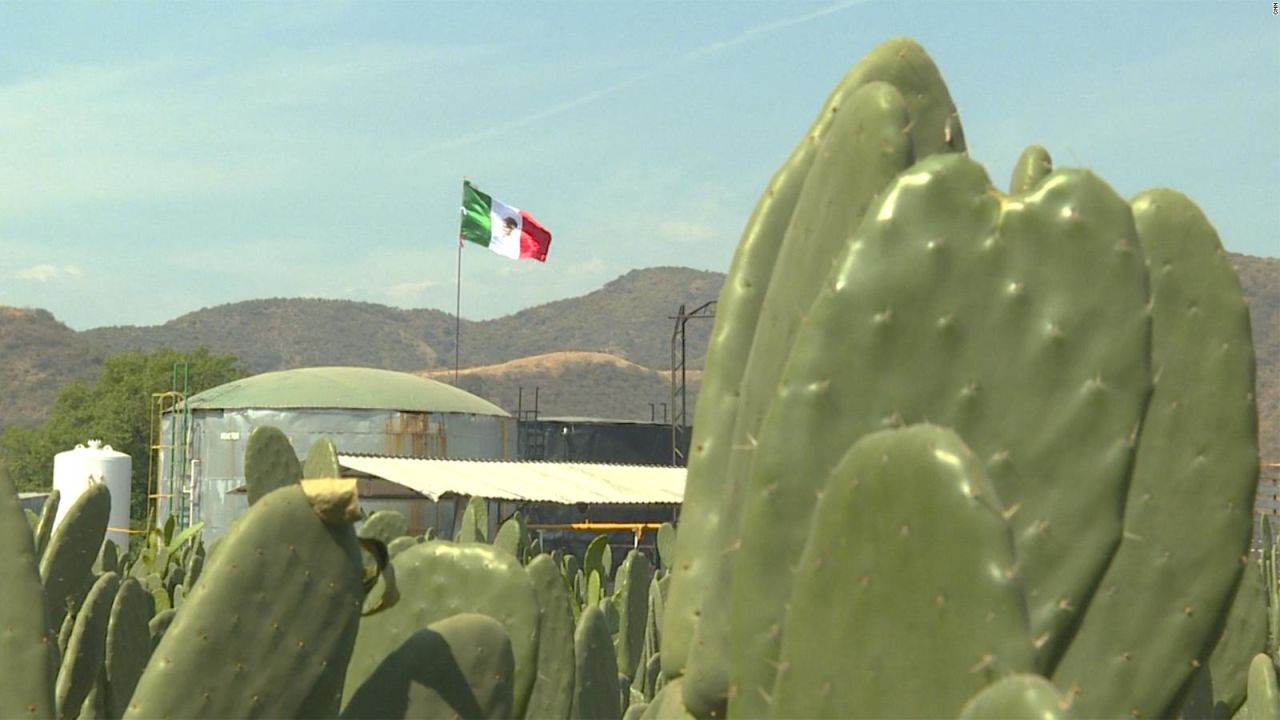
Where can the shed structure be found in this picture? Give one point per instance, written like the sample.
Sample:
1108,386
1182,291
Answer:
363,410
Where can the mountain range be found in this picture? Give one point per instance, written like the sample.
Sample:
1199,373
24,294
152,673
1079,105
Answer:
606,354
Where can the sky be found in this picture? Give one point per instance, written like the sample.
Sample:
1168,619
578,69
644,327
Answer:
157,158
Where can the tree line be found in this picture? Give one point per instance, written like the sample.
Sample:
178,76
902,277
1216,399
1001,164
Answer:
115,408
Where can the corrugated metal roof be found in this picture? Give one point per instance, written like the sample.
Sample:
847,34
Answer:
343,387
565,483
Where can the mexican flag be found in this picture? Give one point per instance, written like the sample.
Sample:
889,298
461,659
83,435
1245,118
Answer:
503,229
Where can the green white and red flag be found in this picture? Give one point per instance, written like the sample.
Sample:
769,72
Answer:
506,230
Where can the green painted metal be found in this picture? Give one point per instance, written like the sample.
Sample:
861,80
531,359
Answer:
273,610
28,654
461,667
439,579
595,680
1017,697
910,535
1167,591
552,695
343,387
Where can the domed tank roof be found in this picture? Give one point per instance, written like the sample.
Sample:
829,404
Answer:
343,387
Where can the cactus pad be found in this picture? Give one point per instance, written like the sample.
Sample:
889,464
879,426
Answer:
1022,323
27,652
910,535
67,564
269,462
461,667
595,679
552,695
1165,595
276,606
440,579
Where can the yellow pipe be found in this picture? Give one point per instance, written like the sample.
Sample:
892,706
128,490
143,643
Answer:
588,525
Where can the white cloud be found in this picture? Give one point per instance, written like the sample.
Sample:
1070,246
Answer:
45,272
409,293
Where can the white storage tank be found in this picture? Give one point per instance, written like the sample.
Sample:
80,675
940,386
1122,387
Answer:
75,470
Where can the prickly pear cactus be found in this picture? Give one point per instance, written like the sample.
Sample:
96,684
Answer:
322,460
86,648
910,535
461,667
1161,605
474,526
1243,636
595,684
67,564
1017,697
269,463
384,526
128,645
275,608
552,695
1264,689
44,527
440,579
511,536
977,312
28,653
631,595
890,110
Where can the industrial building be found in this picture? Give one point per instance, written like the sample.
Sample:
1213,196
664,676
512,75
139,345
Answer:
200,446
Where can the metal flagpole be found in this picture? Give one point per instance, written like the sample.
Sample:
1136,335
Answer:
457,313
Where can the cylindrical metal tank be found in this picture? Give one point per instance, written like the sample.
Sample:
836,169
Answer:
362,410
75,470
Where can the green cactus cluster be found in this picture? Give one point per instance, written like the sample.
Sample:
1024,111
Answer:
958,453
305,615
987,422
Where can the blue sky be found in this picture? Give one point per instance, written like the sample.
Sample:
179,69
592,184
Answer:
156,158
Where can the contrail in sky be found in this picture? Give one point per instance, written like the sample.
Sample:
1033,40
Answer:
689,57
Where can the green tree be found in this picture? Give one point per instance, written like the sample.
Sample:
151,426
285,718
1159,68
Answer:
116,409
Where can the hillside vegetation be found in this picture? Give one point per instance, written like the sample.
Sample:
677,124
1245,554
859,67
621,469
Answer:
628,318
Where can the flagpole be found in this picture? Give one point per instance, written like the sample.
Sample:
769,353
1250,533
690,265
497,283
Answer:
457,313
457,317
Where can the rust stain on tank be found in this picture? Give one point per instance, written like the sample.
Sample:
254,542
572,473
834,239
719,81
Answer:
409,434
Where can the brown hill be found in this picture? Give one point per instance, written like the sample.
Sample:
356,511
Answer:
591,384
628,318
285,333
1260,280
38,355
